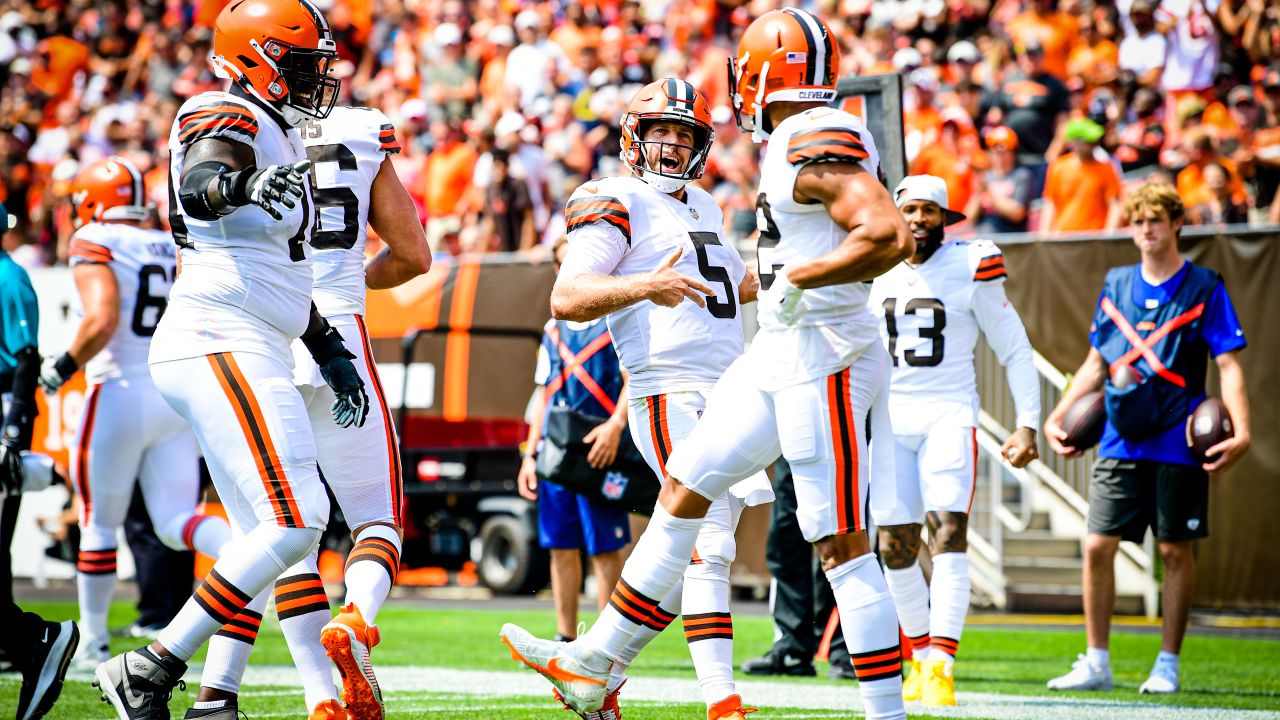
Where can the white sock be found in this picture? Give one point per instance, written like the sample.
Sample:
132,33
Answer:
948,604
371,570
655,566
247,566
911,599
1098,658
658,621
303,609
229,648
208,704
708,627
870,627
95,584
1168,658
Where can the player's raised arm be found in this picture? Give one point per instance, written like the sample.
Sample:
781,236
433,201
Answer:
393,216
877,237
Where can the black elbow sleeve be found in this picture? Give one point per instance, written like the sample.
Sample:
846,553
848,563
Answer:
211,189
18,421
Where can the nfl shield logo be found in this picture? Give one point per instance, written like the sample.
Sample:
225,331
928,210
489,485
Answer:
615,484
694,213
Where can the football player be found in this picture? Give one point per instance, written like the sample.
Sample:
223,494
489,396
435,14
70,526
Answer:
932,308
805,387
644,250
355,183
242,214
122,272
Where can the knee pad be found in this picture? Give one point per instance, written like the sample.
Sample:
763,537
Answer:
287,546
710,569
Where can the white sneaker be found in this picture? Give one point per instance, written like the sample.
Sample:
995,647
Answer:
1162,681
580,688
1083,676
92,653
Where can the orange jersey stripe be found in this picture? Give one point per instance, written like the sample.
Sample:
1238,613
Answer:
396,480
828,152
990,260
82,453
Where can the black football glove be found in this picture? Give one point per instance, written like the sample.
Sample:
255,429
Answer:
10,464
269,186
57,371
351,405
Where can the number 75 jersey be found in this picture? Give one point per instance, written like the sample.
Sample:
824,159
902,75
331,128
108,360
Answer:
622,226
346,150
143,263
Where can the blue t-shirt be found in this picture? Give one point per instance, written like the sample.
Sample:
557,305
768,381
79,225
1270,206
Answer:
19,314
1220,330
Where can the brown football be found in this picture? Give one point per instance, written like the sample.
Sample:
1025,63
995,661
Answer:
1085,420
1209,425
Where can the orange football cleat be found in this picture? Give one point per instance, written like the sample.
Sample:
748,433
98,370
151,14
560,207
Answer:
329,710
729,708
347,641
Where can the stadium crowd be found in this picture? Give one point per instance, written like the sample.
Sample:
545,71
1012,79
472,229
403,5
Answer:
1038,113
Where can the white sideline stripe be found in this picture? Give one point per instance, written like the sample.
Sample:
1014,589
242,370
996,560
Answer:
844,697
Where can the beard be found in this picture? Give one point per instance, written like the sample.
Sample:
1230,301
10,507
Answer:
930,243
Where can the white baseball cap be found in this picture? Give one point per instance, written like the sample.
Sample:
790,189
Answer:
930,188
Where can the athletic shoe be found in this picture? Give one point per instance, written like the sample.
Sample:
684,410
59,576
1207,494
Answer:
139,683
581,689
230,711
44,671
776,662
608,711
1162,681
329,710
347,641
729,708
913,686
939,684
92,653
143,632
1083,676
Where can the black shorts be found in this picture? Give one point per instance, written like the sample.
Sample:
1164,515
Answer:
1128,496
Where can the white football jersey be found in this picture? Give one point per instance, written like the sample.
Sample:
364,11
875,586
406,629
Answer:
143,263
622,226
246,278
930,316
833,324
346,150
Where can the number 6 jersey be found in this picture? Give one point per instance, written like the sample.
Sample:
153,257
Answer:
143,263
622,226
346,150
930,318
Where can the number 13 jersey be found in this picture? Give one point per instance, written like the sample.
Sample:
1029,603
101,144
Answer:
346,150
143,264
622,226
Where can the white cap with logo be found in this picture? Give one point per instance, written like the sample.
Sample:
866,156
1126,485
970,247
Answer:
930,188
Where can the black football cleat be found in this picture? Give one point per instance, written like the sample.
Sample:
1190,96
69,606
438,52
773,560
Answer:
43,674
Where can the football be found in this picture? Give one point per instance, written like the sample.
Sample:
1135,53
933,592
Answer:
1125,376
1085,420
1207,426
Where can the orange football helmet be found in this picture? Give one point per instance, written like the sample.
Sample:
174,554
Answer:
785,55
109,189
667,100
280,52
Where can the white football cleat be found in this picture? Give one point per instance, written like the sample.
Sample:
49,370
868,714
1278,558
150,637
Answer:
1162,681
580,688
1083,676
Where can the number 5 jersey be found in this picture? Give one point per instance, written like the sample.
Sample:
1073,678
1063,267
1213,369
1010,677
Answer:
622,226
930,316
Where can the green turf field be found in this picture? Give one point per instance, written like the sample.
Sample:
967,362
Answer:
1221,675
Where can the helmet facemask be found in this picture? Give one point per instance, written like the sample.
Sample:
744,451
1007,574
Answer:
662,178
308,92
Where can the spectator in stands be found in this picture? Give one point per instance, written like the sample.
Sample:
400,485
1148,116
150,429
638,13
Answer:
1055,32
1033,104
955,157
1191,59
446,182
1142,51
508,213
1081,192
1004,191
1145,475
1217,204
1142,138
451,77
1201,152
